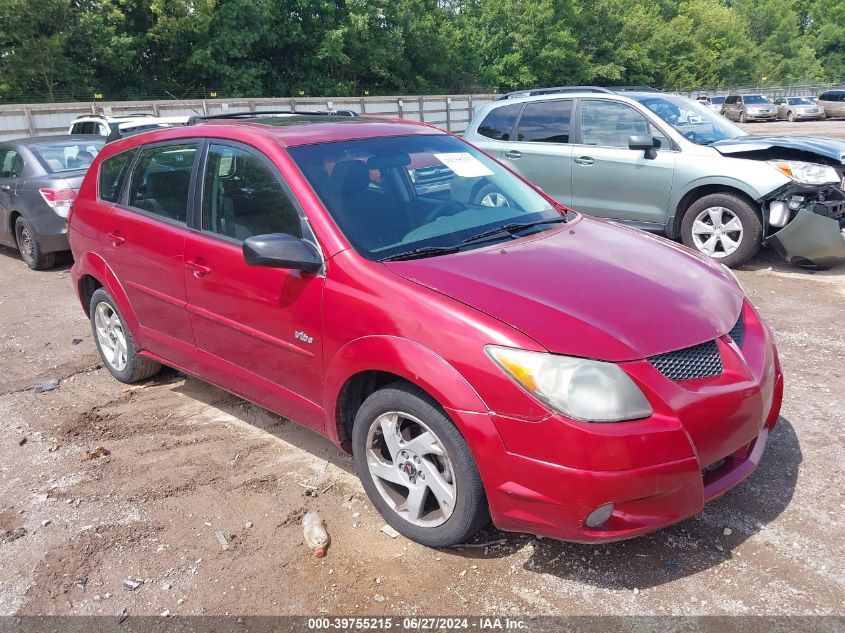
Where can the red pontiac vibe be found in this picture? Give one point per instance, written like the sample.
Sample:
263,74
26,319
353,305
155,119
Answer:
483,352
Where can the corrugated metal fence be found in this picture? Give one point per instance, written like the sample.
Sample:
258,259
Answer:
450,112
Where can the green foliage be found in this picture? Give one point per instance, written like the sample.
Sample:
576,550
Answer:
70,49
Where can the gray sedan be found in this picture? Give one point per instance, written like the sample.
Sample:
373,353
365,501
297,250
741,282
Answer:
39,178
798,109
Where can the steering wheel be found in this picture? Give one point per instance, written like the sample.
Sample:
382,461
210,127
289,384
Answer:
444,209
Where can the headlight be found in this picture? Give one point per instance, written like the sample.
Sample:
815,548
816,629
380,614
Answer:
806,173
581,389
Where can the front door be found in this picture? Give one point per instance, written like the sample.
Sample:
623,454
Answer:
259,330
145,241
611,180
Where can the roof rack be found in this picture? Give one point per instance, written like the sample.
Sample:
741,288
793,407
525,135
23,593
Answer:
261,113
532,92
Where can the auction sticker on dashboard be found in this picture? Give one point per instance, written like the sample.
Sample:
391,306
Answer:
464,164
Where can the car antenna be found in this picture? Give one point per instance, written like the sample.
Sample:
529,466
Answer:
182,103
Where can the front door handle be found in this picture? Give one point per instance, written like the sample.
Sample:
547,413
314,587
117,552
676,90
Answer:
513,154
585,160
198,267
116,239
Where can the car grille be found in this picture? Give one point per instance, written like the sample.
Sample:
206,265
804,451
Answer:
698,361
737,332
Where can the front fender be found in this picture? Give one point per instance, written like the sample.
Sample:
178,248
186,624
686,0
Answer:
405,358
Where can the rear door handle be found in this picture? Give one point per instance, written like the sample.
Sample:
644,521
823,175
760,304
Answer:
585,160
513,154
198,267
116,239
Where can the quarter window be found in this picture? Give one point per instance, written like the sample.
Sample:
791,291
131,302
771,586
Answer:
499,123
111,176
161,181
609,124
545,122
242,196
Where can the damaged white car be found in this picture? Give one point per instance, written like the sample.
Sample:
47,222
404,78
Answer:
670,165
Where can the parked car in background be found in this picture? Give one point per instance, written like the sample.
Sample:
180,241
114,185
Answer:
744,108
798,109
669,165
562,375
833,103
714,103
114,127
39,178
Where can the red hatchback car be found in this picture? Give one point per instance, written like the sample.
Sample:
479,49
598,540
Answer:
562,375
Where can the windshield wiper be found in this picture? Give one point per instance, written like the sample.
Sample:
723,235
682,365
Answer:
509,229
417,253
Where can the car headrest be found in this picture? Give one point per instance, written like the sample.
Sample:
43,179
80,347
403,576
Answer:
350,176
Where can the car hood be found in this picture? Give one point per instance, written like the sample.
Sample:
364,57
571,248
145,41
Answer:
829,148
591,289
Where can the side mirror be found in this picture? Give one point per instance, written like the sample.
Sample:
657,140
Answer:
645,143
281,250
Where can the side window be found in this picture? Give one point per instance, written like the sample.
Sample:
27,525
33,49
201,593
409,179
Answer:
161,181
111,176
11,163
609,124
242,196
499,122
545,122
76,128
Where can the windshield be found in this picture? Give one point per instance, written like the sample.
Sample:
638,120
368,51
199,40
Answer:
394,195
694,120
800,101
756,100
68,155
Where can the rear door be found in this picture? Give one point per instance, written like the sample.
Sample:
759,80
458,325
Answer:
611,180
259,330
144,245
11,167
495,131
541,149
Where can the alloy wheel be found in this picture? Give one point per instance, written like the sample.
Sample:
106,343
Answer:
111,336
717,232
494,199
410,469
26,246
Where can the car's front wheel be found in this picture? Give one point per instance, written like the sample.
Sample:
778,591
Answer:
115,343
30,247
724,226
490,196
790,117
417,468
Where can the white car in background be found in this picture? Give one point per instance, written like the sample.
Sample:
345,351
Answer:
714,103
115,127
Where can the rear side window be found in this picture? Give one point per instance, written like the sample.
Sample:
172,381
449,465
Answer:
11,163
545,122
242,196
827,96
111,176
161,181
499,123
85,127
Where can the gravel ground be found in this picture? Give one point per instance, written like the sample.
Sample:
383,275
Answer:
186,460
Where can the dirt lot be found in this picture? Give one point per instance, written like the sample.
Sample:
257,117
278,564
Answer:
188,460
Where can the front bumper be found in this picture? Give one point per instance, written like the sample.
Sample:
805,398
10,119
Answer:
546,477
761,116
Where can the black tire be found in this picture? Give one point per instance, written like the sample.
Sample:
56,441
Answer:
752,225
487,190
470,511
137,368
790,117
742,117
30,248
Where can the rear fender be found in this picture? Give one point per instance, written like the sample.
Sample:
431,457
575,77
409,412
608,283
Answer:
95,266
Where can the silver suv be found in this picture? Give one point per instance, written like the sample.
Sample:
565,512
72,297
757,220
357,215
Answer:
667,164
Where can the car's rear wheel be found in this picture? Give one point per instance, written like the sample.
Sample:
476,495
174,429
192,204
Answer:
723,226
417,468
115,343
30,248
